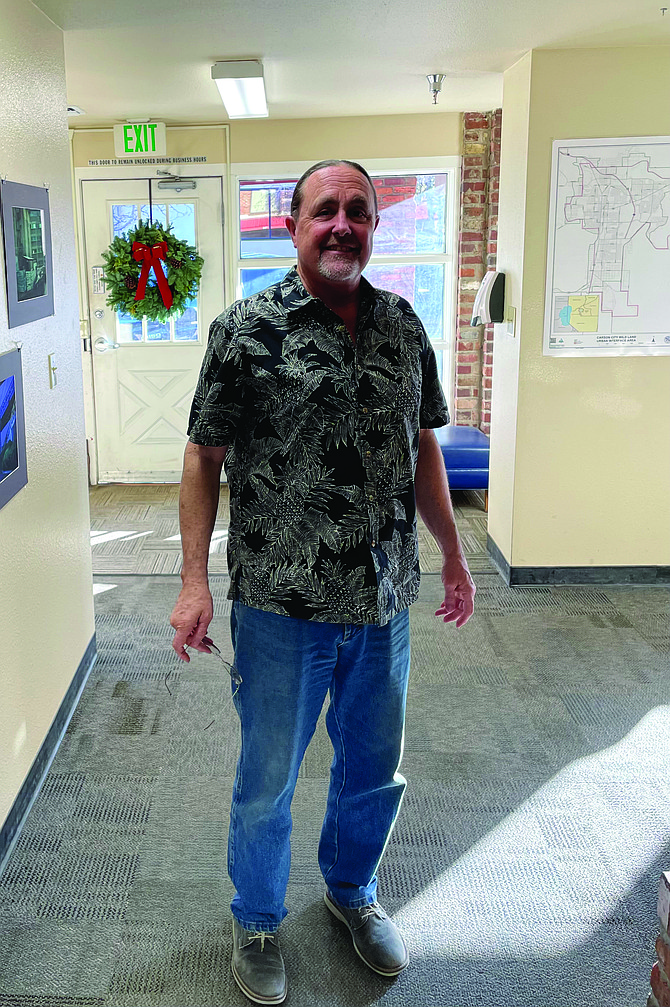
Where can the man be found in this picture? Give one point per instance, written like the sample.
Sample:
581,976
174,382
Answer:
320,393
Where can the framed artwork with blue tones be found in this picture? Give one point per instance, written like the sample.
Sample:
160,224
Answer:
26,229
13,469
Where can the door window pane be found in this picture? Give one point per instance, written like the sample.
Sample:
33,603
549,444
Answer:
263,207
158,332
186,326
422,285
124,216
128,329
182,218
255,280
158,213
412,210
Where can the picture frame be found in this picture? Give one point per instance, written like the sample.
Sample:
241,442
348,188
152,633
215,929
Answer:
26,230
13,467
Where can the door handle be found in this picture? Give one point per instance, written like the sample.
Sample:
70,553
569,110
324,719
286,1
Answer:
102,344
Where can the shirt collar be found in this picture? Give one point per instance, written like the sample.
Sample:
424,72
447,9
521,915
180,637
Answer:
294,293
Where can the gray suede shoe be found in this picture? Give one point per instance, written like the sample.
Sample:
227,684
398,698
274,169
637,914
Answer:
376,938
257,965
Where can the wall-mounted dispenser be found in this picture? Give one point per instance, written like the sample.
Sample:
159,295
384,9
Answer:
489,303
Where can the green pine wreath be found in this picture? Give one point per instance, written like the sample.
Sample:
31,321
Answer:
121,273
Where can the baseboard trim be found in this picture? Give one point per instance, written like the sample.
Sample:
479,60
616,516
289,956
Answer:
11,829
498,559
171,476
543,576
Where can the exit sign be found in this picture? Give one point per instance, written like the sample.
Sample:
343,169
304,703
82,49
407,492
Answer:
143,138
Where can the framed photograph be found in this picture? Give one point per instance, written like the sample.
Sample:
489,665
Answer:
13,470
26,229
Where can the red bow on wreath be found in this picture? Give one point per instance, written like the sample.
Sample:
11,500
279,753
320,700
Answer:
151,257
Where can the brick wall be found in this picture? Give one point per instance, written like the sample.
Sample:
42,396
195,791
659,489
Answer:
477,248
390,190
393,190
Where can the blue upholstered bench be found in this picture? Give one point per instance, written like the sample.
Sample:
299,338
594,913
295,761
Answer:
466,457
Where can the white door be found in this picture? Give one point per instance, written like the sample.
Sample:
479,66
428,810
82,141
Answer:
144,372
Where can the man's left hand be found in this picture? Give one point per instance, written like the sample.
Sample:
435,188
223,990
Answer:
459,591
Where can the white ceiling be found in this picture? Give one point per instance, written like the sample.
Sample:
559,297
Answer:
131,59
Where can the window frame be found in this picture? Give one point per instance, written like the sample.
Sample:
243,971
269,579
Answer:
448,165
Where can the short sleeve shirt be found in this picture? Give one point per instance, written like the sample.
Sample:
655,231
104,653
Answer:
323,441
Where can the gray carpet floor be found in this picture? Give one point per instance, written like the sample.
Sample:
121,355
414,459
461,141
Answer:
135,530
522,870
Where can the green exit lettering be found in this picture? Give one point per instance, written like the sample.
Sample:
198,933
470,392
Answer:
140,138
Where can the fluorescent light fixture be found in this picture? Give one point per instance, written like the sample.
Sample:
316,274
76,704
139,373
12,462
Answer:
242,89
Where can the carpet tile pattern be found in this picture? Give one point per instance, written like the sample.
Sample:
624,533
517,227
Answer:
135,530
523,866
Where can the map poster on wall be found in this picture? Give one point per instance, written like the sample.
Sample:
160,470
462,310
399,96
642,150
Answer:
608,260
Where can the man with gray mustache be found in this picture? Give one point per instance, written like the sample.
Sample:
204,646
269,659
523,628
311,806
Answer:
321,394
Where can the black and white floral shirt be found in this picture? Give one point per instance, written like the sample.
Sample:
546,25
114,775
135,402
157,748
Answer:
323,442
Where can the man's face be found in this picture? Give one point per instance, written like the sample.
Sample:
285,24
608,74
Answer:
333,232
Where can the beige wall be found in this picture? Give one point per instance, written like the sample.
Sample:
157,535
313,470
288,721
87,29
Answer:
580,459
353,137
99,144
45,587
511,217
299,139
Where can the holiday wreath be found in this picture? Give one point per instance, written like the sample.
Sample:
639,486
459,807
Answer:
135,256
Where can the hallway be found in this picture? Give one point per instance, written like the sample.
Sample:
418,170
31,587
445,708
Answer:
524,864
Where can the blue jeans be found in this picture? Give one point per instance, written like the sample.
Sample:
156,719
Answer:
287,667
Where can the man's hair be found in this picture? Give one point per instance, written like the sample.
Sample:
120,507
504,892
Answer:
296,201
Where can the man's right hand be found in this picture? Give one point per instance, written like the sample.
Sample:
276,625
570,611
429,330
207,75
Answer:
191,617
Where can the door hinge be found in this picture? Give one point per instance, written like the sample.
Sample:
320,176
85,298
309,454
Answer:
85,334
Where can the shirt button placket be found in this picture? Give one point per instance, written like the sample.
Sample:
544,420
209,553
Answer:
369,476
